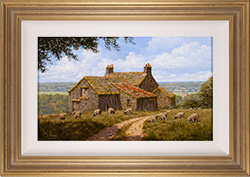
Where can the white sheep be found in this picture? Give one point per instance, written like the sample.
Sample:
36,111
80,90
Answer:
153,118
193,118
97,112
164,116
62,116
111,111
77,114
190,109
128,111
179,115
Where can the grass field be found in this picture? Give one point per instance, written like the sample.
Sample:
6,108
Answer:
179,130
53,93
52,128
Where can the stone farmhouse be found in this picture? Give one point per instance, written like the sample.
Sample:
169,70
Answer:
120,90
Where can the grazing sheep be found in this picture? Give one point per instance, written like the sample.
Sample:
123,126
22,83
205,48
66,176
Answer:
77,114
164,116
199,108
128,111
62,116
111,111
153,118
190,109
97,112
193,117
179,115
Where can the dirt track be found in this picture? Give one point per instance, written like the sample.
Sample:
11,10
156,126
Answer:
134,132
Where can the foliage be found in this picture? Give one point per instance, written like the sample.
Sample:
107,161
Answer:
191,104
206,93
178,99
179,129
65,46
181,101
50,104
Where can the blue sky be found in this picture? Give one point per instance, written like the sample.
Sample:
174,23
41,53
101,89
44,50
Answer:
173,59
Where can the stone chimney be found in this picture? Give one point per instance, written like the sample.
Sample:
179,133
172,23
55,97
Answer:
109,69
147,68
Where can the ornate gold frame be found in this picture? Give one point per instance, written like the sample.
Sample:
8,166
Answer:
13,12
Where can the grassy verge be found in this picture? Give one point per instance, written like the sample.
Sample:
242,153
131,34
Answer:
179,130
52,128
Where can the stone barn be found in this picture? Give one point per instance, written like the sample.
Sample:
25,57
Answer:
165,98
118,90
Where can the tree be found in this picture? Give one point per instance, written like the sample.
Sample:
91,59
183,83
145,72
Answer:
191,104
206,93
64,46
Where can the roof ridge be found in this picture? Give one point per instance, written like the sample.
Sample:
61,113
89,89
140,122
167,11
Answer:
170,94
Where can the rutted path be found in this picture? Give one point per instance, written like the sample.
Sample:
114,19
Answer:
133,133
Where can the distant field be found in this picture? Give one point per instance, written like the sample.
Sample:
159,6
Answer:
53,93
180,93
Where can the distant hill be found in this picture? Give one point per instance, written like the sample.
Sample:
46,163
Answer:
173,87
182,86
55,87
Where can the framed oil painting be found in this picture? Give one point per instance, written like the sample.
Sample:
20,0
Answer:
114,95
122,88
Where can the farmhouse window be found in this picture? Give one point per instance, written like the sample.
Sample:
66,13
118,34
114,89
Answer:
128,102
84,92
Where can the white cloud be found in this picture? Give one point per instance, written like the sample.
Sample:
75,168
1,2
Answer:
91,64
132,62
188,61
164,43
188,55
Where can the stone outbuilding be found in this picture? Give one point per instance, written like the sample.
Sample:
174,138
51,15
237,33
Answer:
118,90
165,98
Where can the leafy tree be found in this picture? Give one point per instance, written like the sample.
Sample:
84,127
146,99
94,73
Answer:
43,104
191,104
51,104
189,97
206,93
61,106
178,99
64,46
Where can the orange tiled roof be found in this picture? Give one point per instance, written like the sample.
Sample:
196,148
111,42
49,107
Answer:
133,91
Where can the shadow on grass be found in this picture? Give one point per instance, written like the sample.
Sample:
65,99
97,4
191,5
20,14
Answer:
75,130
